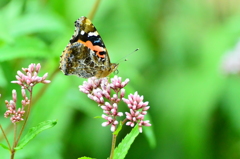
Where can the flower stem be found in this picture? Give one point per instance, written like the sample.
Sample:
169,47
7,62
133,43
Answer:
124,121
14,141
26,119
9,146
114,138
15,135
12,154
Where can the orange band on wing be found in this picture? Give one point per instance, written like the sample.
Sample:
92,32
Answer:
96,48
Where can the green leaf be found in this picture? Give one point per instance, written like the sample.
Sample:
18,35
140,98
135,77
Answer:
24,47
38,23
119,128
86,158
4,146
149,133
98,117
122,149
34,131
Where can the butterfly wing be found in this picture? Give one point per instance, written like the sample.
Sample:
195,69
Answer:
86,54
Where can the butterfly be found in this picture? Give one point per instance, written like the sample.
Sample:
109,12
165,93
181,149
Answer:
86,55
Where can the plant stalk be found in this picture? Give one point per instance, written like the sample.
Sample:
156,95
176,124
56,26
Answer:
114,138
5,136
26,119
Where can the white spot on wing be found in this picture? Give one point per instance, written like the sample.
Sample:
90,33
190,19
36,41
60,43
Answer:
82,32
93,33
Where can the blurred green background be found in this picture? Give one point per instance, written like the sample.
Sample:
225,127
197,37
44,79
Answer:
195,108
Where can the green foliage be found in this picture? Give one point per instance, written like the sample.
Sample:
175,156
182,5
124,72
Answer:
119,128
4,146
122,149
149,133
24,49
85,158
194,107
34,131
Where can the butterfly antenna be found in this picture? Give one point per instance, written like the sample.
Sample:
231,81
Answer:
124,58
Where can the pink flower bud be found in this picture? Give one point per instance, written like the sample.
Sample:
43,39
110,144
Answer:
14,95
46,81
20,74
23,93
38,67
122,93
105,124
113,127
45,76
140,129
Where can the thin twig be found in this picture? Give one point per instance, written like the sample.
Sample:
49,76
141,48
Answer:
93,11
7,130
124,121
9,146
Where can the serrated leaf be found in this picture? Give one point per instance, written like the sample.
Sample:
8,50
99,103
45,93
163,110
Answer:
34,131
121,151
86,158
4,146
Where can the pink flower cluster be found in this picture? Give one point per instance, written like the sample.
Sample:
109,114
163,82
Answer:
108,94
16,114
138,109
27,81
30,76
